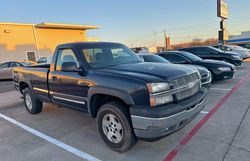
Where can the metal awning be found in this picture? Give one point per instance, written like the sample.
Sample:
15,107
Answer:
65,26
243,40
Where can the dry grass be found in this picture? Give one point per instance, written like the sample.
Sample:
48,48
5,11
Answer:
247,60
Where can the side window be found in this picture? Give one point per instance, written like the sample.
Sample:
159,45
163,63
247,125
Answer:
168,57
65,55
5,65
193,50
202,51
13,64
174,58
178,59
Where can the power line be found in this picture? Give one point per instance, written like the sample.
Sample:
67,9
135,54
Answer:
188,28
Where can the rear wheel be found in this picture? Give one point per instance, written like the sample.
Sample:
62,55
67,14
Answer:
115,127
32,104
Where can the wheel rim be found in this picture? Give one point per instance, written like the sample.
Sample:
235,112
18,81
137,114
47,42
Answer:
112,128
28,101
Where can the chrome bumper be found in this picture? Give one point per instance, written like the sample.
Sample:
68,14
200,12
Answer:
146,127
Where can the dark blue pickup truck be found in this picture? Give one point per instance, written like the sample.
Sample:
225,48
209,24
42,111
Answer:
129,98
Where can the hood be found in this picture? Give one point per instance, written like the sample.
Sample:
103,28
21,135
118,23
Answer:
232,53
147,72
215,63
202,70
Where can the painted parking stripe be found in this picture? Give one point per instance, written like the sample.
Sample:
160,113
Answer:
185,140
220,89
204,112
54,141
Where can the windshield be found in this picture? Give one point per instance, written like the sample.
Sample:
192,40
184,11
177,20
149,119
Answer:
216,49
26,63
105,55
191,57
154,58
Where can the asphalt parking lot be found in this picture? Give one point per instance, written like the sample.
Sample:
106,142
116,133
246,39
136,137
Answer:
219,133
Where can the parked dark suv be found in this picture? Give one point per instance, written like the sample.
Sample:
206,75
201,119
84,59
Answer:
208,52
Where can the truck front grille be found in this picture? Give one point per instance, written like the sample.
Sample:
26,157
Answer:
191,82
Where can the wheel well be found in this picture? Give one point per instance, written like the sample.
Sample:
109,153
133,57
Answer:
98,100
212,75
22,86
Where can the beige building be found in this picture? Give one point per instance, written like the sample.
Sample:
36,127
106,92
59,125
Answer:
19,42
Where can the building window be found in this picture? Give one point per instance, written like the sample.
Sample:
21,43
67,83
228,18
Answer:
31,56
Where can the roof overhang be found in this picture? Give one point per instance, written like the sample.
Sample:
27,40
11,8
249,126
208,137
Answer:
65,26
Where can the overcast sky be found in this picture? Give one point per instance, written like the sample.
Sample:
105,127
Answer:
132,21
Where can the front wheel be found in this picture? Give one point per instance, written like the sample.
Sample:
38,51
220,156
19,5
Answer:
115,127
32,104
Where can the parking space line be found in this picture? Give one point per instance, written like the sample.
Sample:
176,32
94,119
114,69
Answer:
185,140
54,141
220,89
204,112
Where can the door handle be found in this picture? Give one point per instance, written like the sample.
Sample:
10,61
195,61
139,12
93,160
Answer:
54,78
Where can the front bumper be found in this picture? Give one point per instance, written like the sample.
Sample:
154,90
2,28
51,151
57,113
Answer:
206,80
237,62
224,75
157,127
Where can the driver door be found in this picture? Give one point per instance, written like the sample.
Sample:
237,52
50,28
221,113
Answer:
67,88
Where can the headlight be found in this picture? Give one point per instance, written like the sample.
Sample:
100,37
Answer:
155,97
157,87
225,69
155,101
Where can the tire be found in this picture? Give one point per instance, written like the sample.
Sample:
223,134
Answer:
32,104
113,119
212,77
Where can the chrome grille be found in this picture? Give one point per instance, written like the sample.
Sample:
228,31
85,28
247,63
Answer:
192,82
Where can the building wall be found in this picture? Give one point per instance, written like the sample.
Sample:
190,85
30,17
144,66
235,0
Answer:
16,40
48,39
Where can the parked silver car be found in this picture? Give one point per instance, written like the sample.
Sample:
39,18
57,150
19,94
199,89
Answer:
6,69
233,48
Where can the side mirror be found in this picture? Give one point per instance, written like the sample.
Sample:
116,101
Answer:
70,67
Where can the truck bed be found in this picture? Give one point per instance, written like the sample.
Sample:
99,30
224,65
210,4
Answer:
36,76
